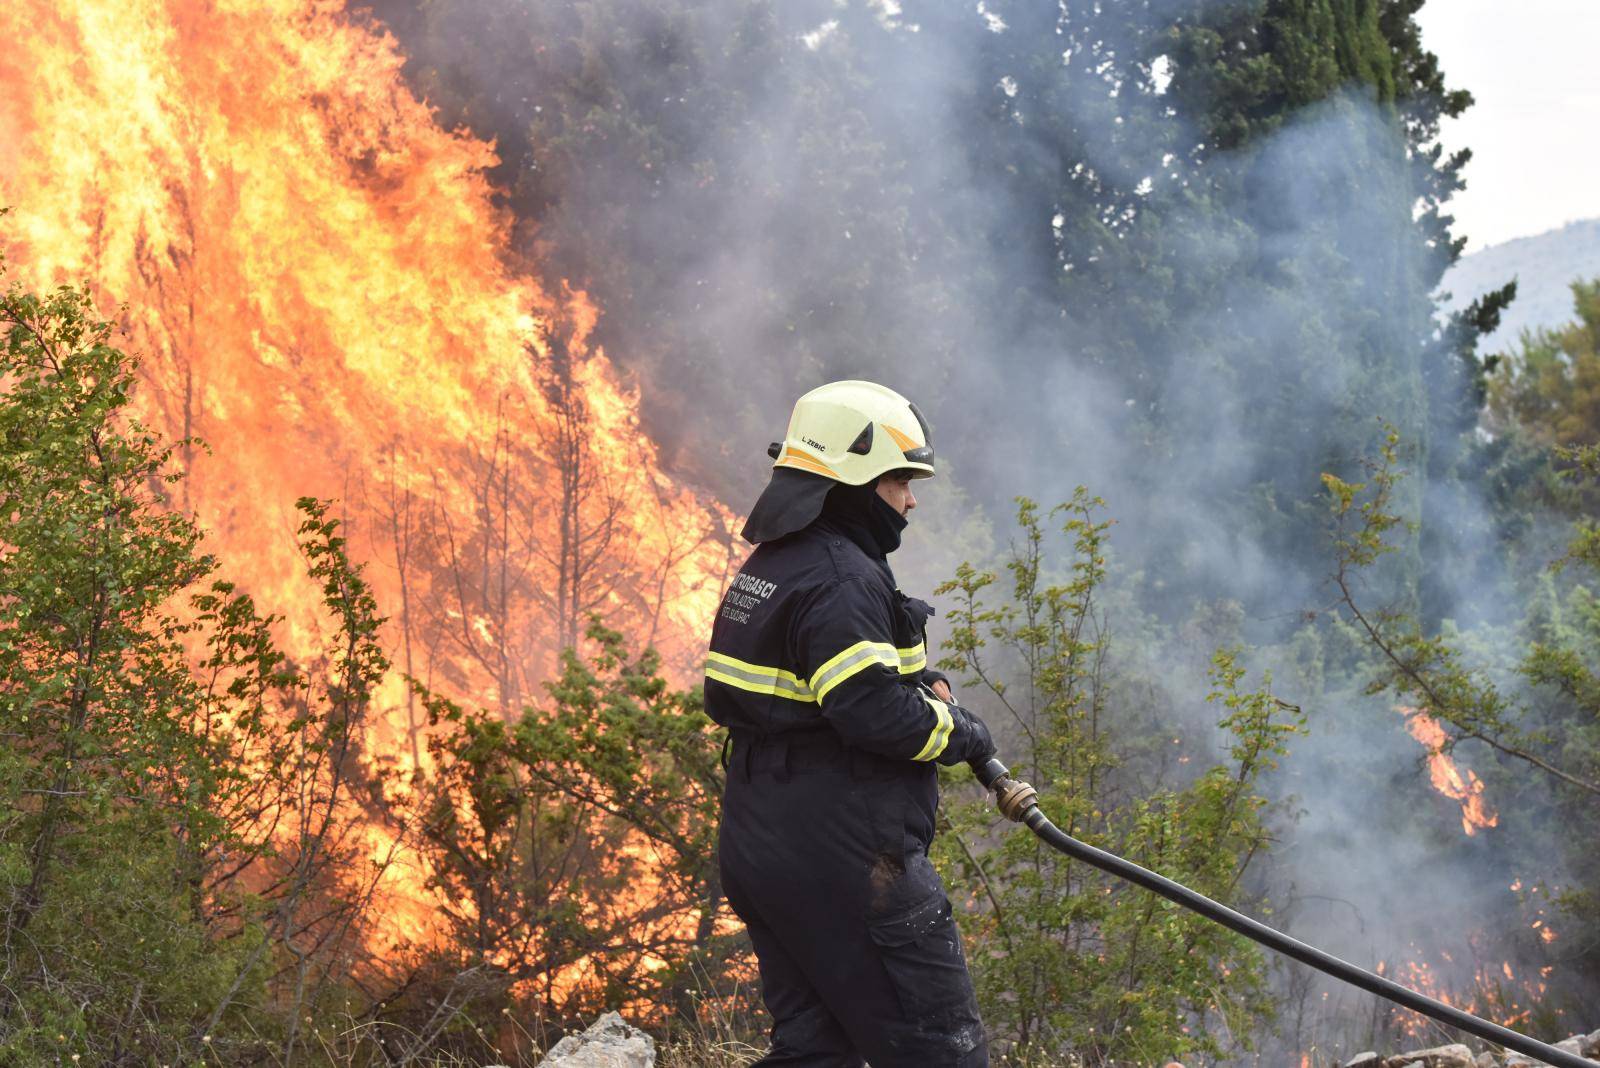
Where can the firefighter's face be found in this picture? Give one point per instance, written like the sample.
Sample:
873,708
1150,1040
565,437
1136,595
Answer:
895,488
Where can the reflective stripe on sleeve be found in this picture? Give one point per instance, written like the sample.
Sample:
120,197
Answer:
757,678
914,659
940,736
853,661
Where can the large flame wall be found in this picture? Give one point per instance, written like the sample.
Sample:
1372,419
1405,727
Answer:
313,276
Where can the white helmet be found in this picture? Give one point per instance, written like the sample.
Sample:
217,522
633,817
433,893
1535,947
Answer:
854,431
849,432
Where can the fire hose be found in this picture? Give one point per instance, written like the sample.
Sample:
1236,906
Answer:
1019,803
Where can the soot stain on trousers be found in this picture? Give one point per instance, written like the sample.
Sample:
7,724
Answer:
886,871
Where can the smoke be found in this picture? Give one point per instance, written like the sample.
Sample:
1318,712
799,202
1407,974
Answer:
1051,260
1010,213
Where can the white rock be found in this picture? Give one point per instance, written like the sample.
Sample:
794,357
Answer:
1368,1059
1452,1056
1582,1045
608,1043
1487,1060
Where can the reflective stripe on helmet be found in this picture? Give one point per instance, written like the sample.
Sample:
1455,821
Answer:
795,458
905,441
913,452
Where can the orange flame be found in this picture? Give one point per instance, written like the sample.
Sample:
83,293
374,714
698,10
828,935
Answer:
312,267
1498,991
1453,782
1503,1000
315,277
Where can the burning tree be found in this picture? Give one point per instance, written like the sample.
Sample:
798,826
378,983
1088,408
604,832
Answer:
1524,696
197,825
574,849
109,785
337,290
1430,668
178,828
314,271
491,594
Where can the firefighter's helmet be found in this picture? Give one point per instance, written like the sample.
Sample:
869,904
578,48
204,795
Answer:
854,431
849,432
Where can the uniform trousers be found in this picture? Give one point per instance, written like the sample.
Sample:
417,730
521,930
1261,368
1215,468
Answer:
823,854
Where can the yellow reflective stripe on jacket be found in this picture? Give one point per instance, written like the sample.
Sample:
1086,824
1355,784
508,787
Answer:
853,661
940,736
757,678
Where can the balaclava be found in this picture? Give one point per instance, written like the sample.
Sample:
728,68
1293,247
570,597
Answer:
870,520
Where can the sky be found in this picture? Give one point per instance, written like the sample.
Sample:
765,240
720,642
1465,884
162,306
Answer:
1535,129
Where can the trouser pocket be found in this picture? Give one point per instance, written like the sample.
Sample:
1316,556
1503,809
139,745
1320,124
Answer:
921,950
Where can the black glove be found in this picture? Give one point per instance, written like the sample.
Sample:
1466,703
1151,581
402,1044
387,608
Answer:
970,739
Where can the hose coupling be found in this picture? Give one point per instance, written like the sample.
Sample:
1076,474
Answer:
1014,798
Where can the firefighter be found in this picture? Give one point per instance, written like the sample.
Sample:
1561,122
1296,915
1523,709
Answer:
818,668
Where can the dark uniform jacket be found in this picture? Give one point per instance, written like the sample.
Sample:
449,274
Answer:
814,640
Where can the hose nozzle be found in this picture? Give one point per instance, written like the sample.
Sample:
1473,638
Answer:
1013,796
989,771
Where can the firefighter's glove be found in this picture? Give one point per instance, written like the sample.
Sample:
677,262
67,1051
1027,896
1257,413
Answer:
971,741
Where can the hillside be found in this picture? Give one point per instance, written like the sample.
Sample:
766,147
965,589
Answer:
1544,266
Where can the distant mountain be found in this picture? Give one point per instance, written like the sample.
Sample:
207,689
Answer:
1543,265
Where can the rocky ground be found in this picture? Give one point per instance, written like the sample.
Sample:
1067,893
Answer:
611,1043
608,1043
1459,1056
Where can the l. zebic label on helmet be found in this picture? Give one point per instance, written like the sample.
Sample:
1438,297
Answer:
745,593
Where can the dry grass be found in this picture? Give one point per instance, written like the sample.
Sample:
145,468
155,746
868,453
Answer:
726,1032
699,1052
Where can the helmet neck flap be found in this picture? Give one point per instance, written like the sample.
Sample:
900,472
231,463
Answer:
793,500
789,503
